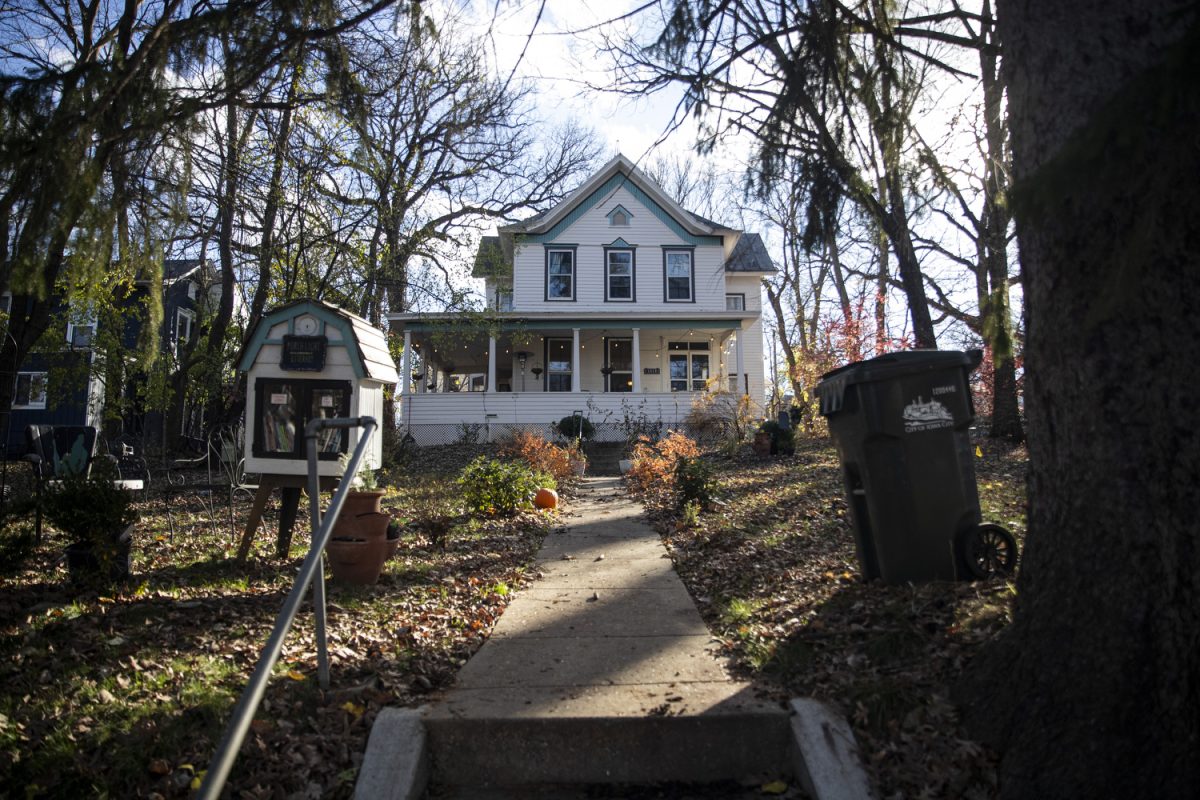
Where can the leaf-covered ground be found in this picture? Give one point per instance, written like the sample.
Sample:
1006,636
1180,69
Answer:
774,571
125,692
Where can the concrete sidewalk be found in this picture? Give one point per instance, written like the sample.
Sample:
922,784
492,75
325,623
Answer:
602,671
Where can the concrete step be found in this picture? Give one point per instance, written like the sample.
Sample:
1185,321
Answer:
604,457
493,738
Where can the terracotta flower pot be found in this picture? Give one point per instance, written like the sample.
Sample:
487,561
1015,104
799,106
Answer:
357,503
356,561
370,526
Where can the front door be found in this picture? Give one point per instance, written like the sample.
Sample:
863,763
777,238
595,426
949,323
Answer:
689,371
620,358
558,365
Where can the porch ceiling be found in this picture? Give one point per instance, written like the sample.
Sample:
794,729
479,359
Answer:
514,324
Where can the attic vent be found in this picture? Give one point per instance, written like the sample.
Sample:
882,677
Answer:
619,218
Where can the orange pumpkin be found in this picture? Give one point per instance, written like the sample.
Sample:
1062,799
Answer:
546,498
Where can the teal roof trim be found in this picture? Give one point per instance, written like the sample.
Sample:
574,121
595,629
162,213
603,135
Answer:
593,199
619,242
328,319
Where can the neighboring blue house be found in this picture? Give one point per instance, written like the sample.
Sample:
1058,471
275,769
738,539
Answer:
36,402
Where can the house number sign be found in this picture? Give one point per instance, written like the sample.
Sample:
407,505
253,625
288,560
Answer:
303,353
650,371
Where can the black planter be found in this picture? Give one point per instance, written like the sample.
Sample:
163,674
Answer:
87,562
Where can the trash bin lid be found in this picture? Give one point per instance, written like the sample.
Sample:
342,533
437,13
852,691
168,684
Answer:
886,367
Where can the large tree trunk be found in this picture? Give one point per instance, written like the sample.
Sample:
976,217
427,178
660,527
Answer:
1094,690
996,309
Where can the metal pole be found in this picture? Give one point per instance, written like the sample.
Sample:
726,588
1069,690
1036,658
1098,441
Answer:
243,713
314,506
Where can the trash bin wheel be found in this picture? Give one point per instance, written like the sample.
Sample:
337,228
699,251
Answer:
987,551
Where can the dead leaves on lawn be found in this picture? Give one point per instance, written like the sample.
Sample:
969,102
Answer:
127,693
774,571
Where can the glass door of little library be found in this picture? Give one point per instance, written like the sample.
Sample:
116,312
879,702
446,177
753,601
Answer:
284,407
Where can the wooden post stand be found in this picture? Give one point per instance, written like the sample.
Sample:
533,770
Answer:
290,487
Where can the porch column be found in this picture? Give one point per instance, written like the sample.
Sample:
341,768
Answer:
740,366
637,361
406,364
491,376
576,365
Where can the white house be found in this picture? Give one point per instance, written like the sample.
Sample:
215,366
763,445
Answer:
615,301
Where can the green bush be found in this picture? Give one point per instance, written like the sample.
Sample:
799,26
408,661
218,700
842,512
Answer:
783,440
90,510
694,482
574,427
500,487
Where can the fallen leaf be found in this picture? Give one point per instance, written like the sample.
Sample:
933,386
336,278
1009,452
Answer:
774,787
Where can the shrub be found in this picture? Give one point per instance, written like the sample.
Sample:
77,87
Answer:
90,510
574,427
694,483
500,487
723,417
434,512
783,440
654,462
543,456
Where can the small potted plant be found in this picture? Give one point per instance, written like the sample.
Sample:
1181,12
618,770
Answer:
98,517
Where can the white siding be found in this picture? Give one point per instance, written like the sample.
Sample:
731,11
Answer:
591,233
749,285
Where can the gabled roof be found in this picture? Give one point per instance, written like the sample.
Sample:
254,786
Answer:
369,355
621,168
490,259
749,255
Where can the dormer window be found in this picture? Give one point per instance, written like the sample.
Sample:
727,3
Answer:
619,217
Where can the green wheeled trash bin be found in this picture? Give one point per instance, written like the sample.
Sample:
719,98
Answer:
901,424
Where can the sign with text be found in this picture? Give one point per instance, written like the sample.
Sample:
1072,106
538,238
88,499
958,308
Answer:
650,371
303,353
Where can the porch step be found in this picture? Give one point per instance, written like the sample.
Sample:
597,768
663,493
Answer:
498,748
604,457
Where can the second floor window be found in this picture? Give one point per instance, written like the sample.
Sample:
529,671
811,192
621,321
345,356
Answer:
185,322
560,274
678,267
618,283
735,302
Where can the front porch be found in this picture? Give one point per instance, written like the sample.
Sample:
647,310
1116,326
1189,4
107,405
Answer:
534,371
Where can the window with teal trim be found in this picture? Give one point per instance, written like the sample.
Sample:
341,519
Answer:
678,275
560,275
618,284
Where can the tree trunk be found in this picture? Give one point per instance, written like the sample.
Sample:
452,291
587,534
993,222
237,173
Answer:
996,309
781,331
1094,689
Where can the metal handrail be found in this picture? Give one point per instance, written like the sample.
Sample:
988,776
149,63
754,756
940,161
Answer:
311,572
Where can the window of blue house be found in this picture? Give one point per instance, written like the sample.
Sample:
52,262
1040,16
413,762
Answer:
30,390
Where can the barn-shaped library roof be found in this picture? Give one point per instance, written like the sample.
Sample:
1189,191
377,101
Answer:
365,345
